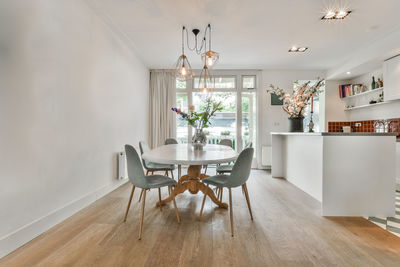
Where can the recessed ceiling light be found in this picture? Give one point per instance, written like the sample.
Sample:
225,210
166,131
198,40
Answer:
339,14
298,49
348,73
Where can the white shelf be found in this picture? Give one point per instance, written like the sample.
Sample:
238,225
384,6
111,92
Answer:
363,93
365,106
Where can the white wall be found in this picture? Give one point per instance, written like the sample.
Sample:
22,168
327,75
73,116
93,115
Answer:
273,118
71,95
334,106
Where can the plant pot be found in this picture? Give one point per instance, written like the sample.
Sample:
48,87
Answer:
296,124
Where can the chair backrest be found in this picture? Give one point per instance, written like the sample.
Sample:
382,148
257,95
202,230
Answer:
144,147
226,142
134,166
242,167
170,141
249,144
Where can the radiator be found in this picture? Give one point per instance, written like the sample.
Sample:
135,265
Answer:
266,156
122,172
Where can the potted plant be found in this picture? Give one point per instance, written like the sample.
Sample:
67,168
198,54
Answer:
294,104
200,120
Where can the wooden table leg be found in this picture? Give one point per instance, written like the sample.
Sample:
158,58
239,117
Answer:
192,182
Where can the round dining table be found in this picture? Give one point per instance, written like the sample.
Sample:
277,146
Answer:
185,154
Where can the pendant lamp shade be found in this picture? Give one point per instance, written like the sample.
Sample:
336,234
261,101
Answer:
183,70
210,58
206,81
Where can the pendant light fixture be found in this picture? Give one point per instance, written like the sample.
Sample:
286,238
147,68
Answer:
206,81
210,57
183,70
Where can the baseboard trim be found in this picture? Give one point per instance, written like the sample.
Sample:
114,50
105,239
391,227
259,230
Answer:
26,233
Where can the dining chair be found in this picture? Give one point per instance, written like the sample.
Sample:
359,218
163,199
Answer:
223,169
227,168
170,141
222,142
238,177
145,182
152,167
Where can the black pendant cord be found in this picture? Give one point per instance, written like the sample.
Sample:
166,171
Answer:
203,43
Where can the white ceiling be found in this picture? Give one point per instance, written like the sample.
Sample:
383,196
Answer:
252,34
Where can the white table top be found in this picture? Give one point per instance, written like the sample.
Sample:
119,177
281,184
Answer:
185,154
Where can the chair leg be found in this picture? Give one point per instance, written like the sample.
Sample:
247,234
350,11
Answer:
141,194
231,209
202,204
179,171
220,196
205,171
166,173
218,192
129,203
172,174
147,172
176,210
159,197
142,214
246,194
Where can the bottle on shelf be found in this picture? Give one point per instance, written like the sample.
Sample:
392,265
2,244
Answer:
380,82
373,83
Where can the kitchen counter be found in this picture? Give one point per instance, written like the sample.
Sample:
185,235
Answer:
336,134
351,174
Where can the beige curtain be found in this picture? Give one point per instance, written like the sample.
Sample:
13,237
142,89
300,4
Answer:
162,99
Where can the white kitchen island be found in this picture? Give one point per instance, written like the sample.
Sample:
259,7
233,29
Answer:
351,174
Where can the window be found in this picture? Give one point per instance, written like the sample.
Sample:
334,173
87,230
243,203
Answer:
238,119
219,83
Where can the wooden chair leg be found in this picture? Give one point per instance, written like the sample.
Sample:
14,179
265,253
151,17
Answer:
176,210
147,172
231,209
141,194
202,205
129,203
246,194
159,197
172,174
218,192
166,173
220,196
142,214
179,171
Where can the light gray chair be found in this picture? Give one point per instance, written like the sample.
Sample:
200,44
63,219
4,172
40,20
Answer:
152,167
227,168
139,180
223,142
170,141
238,177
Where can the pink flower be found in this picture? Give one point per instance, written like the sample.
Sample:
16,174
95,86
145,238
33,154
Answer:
191,107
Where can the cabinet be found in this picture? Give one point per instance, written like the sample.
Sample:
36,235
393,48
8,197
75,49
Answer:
391,78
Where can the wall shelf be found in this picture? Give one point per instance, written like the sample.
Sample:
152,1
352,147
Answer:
365,106
363,93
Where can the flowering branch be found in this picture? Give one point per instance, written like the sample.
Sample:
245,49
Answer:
294,103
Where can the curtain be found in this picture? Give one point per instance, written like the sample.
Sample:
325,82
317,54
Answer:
162,99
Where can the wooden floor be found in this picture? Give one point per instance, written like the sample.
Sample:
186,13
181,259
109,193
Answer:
287,231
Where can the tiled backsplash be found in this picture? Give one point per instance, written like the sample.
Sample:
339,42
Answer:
389,125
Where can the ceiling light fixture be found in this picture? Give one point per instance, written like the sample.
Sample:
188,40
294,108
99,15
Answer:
332,15
209,57
183,70
298,49
348,73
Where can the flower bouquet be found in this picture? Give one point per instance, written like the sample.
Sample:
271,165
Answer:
200,120
294,104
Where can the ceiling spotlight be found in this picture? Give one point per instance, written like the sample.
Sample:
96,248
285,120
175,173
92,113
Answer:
348,73
298,49
340,14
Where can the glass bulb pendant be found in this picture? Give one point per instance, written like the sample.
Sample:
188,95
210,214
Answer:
210,58
183,70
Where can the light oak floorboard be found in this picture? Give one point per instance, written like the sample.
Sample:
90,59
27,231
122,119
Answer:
287,231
